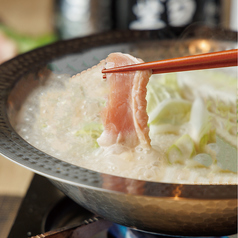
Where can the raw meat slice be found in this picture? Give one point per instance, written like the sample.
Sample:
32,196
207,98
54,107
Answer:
125,118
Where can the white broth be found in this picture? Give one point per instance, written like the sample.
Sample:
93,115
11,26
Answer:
62,118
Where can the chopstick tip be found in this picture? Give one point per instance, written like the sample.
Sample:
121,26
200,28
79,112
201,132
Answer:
104,73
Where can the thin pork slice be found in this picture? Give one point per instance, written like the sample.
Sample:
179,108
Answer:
125,118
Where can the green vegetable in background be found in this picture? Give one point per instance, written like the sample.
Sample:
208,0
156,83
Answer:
26,43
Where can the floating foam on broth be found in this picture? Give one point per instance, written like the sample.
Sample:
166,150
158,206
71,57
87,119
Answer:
62,118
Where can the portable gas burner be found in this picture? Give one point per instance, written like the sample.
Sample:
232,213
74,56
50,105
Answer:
47,212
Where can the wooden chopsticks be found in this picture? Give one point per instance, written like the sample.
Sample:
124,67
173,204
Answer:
219,59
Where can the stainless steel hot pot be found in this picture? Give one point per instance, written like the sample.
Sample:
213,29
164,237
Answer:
174,209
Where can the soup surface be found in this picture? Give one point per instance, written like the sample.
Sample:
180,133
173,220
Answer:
192,122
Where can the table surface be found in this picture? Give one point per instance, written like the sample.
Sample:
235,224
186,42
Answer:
14,182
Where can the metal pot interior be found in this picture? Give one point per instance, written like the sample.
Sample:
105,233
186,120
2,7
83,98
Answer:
139,203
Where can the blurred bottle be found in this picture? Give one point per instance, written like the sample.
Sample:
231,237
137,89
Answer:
76,18
84,17
158,14
229,14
